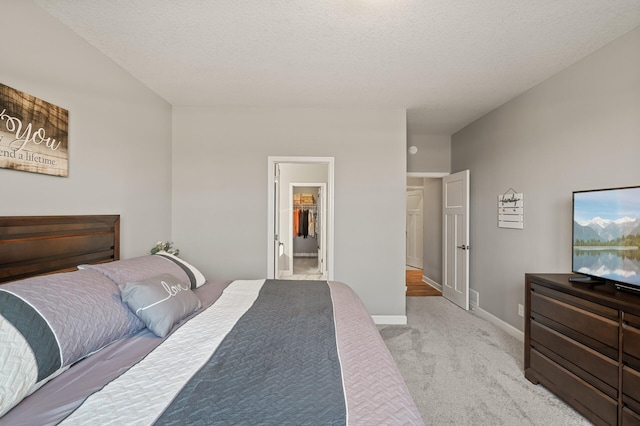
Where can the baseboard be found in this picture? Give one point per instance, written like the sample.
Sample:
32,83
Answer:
389,319
498,322
305,254
481,312
432,283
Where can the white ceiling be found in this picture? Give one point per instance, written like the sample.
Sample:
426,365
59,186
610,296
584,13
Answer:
447,61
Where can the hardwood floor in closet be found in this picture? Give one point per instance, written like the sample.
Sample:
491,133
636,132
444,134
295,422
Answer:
416,287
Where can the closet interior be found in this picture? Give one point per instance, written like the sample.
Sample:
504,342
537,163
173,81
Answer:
305,232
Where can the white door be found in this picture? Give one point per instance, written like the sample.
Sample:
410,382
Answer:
414,228
321,223
320,230
277,245
455,225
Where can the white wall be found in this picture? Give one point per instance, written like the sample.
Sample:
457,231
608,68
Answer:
578,130
119,131
220,158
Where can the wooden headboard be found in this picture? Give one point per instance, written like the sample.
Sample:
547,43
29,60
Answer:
37,245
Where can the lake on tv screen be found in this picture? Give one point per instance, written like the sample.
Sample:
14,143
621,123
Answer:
621,264
606,234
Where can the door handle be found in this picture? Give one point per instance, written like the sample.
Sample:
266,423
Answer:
463,247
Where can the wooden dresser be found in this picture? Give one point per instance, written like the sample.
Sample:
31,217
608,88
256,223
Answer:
582,342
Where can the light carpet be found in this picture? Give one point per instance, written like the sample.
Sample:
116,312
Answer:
464,370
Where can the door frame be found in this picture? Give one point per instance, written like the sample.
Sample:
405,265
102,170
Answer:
432,175
421,189
272,215
323,224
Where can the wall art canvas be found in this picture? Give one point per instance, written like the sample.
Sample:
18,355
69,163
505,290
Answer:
33,134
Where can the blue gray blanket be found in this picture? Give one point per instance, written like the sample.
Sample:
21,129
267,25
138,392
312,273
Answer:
279,362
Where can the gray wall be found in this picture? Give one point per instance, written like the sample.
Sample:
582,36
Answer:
434,153
432,241
220,191
578,130
119,131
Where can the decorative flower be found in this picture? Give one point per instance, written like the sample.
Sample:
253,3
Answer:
165,246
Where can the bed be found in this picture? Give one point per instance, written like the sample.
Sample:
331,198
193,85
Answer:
89,338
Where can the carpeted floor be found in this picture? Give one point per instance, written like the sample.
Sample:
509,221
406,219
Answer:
463,370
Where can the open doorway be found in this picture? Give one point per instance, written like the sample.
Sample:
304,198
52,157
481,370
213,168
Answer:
424,276
300,218
307,237
415,225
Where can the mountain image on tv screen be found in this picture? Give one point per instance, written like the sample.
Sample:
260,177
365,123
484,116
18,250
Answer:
606,234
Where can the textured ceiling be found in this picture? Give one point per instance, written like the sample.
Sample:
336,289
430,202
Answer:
447,62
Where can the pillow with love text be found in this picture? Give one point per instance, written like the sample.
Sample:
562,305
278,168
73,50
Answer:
160,302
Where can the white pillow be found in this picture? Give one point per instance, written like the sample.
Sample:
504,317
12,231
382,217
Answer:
195,276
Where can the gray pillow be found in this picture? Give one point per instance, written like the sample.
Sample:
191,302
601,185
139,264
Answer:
160,302
137,269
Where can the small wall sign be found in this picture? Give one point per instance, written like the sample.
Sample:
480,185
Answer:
33,134
511,210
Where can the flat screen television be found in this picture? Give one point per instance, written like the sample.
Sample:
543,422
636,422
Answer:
606,236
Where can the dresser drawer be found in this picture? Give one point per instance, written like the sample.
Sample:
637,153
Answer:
630,418
588,328
586,363
631,340
631,383
587,305
586,399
